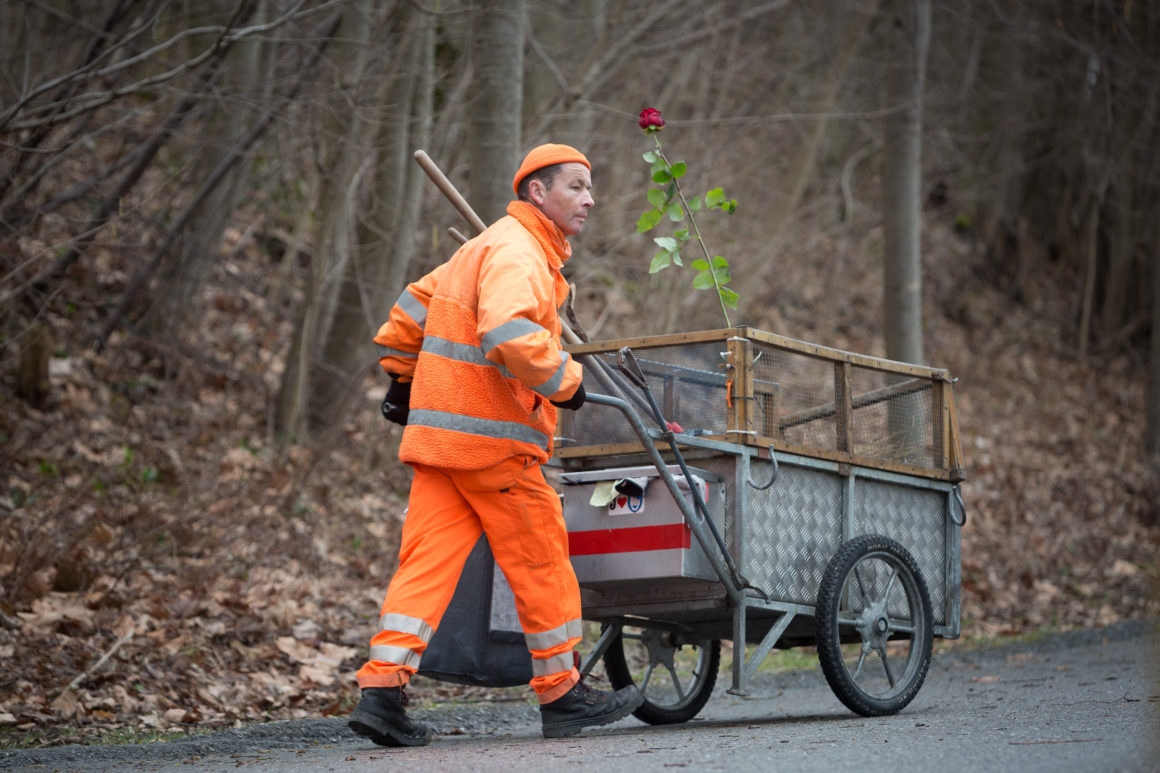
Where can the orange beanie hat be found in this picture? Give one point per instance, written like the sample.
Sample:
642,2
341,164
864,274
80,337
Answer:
546,155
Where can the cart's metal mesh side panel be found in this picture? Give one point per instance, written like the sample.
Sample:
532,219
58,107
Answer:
892,417
794,398
915,518
791,530
881,416
687,381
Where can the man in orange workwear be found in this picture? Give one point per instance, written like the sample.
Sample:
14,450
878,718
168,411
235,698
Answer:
477,372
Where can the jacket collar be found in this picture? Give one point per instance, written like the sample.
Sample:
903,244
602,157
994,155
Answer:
550,236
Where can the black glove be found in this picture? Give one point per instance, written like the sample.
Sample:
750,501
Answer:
397,403
574,402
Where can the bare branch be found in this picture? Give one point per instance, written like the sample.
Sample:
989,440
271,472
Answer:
137,284
78,75
94,100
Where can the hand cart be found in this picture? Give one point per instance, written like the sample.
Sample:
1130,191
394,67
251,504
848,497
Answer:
789,495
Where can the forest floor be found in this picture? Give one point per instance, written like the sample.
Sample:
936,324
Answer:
164,570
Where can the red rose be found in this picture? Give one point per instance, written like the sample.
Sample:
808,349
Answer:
650,118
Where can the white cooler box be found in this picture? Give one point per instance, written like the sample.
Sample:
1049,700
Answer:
624,525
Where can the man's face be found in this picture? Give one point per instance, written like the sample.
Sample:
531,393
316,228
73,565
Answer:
568,200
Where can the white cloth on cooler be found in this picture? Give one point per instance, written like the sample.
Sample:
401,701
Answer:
606,491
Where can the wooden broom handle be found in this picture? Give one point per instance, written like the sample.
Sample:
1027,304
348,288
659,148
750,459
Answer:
448,190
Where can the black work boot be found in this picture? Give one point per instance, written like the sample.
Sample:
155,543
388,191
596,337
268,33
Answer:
380,717
583,707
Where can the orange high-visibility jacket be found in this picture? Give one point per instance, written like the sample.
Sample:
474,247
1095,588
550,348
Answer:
480,337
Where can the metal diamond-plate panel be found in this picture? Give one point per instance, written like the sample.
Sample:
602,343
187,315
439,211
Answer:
915,518
791,530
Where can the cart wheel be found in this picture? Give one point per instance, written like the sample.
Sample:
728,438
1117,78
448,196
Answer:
873,626
677,690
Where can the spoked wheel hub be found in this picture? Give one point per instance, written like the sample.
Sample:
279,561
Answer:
675,675
874,626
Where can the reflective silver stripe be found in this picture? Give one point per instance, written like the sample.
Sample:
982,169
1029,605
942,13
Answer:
404,624
552,385
472,355
513,328
517,328
413,307
472,425
386,351
555,637
400,656
552,665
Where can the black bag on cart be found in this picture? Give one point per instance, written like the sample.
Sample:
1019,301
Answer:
479,641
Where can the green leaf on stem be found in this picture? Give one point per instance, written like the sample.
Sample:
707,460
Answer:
649,220
660,261
669,201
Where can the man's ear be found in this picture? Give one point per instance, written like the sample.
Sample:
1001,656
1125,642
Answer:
537,192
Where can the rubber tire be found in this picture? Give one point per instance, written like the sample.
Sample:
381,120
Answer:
619,676
917,661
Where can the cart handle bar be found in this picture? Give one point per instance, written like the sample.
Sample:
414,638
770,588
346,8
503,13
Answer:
626,361
698,526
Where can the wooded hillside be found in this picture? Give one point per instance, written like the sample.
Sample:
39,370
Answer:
207,209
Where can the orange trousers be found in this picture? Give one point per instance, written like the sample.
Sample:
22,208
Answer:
447,511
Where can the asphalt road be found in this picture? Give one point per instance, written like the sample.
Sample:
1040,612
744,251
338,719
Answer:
1083,701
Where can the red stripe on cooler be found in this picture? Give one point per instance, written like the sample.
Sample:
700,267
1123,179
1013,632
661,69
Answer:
633,539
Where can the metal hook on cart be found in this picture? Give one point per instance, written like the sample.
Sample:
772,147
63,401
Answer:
773,475
957,493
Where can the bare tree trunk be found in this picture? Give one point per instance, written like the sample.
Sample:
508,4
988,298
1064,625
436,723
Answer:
1091,269
497,58
1001,227
908,40
378,268
1152,434
246,88
562,34
902,178
849,39
343,161
549,32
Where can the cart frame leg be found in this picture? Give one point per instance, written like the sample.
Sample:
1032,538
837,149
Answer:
609,633
744,668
